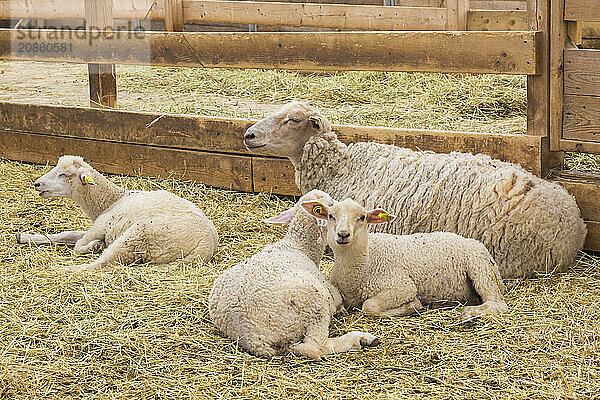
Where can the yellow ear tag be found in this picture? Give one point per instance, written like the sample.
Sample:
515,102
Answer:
317,210
384,216
89,180
315,121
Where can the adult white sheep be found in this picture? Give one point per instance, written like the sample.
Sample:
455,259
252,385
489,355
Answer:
529,225
148,226
393,274
278,300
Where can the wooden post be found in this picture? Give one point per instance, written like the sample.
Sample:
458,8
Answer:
456,14
102,77
559,40
174,15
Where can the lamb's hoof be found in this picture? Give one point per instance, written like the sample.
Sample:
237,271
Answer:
365,343
96,247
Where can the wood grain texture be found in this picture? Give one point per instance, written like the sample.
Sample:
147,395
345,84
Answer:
476,52
559,41
592,240
174,19
497,20
223,170
582,10
102,77
75,9
538,88
274,175
582,72
499,5
582,118
579,146
224,135
348,17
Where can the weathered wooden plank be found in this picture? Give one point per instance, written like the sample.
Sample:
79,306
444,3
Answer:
585,187
273,175
582,72
219,170
75,9
579,146
102,77
538,88
582,118
174,19
224,135
476,52
497,20
499,5
582,10
349,17
575,32
559,40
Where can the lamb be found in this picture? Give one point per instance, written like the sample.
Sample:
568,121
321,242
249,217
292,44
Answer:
278,301
393,275
529,225
147,226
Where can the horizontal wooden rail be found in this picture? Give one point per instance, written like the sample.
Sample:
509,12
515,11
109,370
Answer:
582,10
74,9
474,52
582,118
348,17
496,20
582,72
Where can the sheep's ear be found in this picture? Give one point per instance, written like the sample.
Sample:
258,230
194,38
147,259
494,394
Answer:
282,218
86,179
316,122
316,209
379,216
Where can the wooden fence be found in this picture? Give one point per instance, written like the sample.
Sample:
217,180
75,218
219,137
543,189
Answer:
414,35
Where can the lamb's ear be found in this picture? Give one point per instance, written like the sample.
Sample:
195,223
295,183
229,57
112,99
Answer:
282,218
316,209
316,123
379,216
86,179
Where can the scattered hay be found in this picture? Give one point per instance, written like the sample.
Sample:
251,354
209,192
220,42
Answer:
144,332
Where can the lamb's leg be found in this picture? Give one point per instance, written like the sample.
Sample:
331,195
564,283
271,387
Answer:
317,342
122,250
67,237
488,284
398,301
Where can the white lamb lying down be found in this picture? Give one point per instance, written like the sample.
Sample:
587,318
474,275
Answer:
156,226
278,301
393,275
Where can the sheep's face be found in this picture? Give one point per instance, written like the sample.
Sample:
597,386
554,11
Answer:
346,220
66,178
285,133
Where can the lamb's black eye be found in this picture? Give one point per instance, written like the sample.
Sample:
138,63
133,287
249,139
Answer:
62,175
291,119
362,218
331,217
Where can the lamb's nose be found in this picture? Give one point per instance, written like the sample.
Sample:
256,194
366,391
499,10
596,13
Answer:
249,135
344,235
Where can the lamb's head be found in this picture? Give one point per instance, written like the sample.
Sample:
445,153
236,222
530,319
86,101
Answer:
70,174
346,220
295,216
285,132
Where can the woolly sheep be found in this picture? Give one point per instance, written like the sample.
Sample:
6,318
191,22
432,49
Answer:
155,226
278,301
392,274
529,225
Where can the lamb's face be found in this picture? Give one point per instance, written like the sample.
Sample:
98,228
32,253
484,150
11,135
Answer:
63,180
346,221
285,133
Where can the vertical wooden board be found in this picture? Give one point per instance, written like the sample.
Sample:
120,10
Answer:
559,40
219,170
582,72
582,118
174,19
452,15
274,175
102,77
538,89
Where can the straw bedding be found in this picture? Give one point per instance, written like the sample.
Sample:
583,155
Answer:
143,332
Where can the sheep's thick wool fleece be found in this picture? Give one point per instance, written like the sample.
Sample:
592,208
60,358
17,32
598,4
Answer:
529,225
